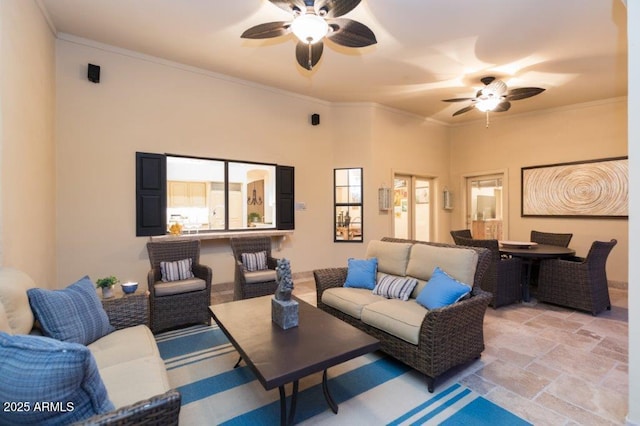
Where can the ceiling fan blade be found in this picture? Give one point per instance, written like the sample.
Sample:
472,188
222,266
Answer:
502,107
267,30
463,110
523,93
308,55
350,33
335,8
291,6
458,99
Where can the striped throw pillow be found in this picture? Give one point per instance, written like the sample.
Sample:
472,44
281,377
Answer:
255,261
175,271
394,287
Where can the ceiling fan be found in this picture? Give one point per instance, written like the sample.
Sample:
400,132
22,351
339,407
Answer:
495,97
313,20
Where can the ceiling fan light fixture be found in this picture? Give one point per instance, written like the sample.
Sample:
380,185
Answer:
309,28
489,103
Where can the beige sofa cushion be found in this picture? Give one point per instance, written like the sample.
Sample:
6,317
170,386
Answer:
349,300
396,317
13,298
392,257
132,381
124,345
179,287
458,262
260,276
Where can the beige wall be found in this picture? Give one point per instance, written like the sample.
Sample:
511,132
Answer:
585,132
27,180
143,104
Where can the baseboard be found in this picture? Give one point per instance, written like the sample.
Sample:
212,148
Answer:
621,285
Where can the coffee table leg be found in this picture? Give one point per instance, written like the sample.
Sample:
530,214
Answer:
283,404
327,395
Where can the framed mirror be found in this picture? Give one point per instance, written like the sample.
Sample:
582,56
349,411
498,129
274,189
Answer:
347,199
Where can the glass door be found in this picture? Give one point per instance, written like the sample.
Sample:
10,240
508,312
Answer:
486,207
412,207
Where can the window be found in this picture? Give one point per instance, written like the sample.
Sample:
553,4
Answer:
201,194
348,205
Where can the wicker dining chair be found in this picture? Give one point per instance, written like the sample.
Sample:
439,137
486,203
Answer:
261,282
464,233
503,278
551,238
180,302
579,283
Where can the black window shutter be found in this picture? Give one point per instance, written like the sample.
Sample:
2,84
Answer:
151,194
285,208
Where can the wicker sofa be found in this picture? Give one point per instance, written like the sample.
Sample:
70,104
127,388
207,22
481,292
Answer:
127,360
445,337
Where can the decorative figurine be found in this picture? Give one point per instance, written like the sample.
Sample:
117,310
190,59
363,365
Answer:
283,278
284,311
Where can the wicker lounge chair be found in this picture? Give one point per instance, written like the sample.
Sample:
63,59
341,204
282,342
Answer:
579,283
551,238
257,283
503,278
177,303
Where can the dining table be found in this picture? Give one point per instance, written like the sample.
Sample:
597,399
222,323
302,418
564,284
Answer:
530,253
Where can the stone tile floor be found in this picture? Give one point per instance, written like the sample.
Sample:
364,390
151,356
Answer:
547,364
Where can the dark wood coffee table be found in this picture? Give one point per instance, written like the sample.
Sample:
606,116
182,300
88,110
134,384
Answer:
278,356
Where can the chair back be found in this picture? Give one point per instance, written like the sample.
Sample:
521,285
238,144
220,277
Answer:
597,258
491,245
464,233
171,251
551,238
250,245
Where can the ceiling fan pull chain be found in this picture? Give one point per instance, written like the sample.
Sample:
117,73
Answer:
310,56
487,119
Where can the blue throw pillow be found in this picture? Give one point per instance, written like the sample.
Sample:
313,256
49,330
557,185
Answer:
361,273
74,314
442,290
45,381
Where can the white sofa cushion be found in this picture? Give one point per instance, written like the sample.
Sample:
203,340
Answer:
392,257
460,263
132,381
399,318
13,298
124,345
349,300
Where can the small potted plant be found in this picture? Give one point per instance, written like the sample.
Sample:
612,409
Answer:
106,284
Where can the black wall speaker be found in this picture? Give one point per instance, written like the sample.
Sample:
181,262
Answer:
315,119
93,73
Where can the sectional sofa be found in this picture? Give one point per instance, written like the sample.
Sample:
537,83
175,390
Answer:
93,370
431,341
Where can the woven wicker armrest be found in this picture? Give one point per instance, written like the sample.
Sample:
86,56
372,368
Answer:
453,335
203,272
159,410
328,278
272,262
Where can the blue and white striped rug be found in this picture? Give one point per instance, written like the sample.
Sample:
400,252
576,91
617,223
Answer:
372,389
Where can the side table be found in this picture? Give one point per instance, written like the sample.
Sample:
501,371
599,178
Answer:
127,310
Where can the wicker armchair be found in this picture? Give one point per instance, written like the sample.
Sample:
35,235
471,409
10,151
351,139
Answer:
464,233
551,238
257,283
504,276
178,303
579,283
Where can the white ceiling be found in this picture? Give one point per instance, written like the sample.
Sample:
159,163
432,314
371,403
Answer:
427,50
